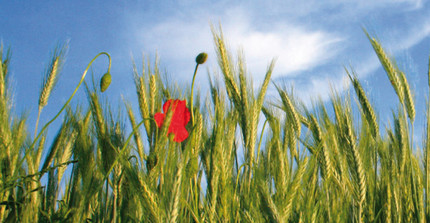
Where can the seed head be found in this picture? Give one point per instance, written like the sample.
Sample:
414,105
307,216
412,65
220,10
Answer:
49,81
105,81
201,58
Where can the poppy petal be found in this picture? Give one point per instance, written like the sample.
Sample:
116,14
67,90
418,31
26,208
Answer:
167,105
181,116
180,135
187,115
159,119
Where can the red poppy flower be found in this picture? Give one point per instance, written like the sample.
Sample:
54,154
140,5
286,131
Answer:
180,118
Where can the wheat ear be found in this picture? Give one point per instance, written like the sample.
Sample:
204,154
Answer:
365,104
50,79
408,100
388,67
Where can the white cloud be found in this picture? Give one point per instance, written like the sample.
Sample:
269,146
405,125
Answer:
322,86
417,34
338,10
298,46
404,4
295,47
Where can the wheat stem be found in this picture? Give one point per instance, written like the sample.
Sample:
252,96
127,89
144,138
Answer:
30,148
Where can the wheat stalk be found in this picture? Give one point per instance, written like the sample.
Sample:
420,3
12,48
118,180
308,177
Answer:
50,79
226,67
176,192
365,105
269,205
388,67
265,85
137,137
341,181
289,108
152,93
139,82
409,101
294,189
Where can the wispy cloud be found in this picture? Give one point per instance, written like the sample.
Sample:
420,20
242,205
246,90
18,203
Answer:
414,35
310,43
398,39
295,47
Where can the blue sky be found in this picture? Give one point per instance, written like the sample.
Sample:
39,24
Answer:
312,40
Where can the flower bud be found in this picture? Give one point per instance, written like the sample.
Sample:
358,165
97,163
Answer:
201,58
105,81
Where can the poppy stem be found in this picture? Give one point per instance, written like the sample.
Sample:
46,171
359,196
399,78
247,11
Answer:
65,105
192,94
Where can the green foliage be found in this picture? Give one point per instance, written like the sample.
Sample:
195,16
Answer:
303,166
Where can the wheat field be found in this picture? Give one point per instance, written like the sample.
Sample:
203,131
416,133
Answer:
184,157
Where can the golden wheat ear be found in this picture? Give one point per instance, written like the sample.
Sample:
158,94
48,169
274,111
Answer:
50,79
368,110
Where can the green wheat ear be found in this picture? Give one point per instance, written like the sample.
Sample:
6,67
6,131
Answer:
50,79
105,81
51,76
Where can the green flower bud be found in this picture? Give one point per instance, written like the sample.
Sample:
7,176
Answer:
201,58
105,81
